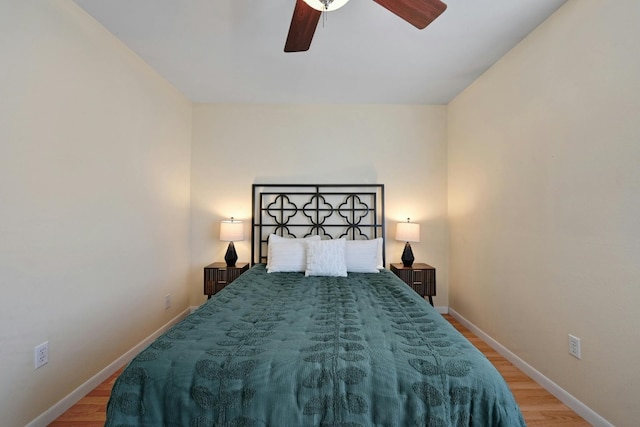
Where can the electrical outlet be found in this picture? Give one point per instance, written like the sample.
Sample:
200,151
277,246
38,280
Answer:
41,354
574,347
167,301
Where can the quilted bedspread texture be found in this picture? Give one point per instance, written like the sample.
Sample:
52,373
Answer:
284,350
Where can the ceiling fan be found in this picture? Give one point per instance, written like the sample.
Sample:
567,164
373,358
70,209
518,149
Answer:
306,15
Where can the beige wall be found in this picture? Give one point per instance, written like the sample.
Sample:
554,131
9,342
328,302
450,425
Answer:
403,147
94,202
544,201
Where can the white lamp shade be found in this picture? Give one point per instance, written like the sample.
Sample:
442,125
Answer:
231,231
408,232
319,5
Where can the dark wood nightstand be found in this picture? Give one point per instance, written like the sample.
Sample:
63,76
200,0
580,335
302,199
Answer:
218,275
420,276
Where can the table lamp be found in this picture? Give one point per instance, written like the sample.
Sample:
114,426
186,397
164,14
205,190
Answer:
408,232
231,231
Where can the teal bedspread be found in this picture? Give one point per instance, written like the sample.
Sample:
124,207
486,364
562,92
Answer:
284,350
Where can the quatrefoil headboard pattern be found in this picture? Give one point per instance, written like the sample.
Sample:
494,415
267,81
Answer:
354,211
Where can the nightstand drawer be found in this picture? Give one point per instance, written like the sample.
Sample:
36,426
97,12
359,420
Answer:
420,277
219,275
215,280
423,281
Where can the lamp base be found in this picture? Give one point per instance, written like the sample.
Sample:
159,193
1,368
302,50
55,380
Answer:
231,256
407,255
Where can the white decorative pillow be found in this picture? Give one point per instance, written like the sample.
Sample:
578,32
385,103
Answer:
364,256
285,255
326,258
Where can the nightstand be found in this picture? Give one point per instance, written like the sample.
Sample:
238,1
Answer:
218,275
420,276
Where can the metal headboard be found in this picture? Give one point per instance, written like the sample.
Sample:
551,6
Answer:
300,210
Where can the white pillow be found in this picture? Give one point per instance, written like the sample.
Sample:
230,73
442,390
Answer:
284,255
326,258
364,256
273,239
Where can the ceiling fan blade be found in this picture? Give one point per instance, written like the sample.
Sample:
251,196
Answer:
303,25
418,13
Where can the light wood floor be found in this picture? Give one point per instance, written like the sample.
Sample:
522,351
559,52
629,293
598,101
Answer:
540,409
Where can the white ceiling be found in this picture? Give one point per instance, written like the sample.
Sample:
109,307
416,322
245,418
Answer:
231,51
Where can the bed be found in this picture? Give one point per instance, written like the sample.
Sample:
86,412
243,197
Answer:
315,347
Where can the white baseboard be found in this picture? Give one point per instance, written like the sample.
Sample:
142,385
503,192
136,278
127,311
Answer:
577,406
72,398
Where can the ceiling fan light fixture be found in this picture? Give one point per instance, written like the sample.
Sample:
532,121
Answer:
326,5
